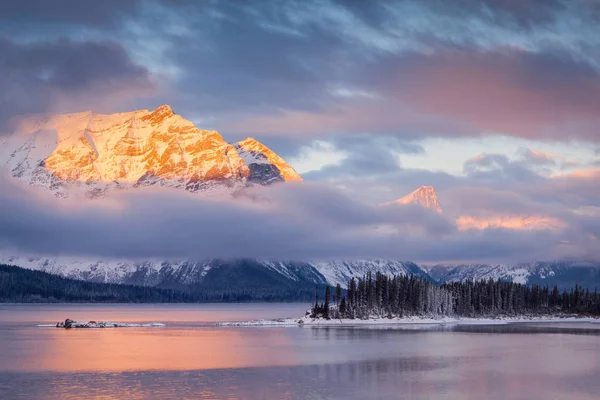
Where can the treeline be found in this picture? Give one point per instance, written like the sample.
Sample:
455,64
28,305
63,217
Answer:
20,285
400,296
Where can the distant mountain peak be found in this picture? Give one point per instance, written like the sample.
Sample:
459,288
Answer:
424,196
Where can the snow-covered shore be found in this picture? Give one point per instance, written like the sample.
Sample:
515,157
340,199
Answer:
408,321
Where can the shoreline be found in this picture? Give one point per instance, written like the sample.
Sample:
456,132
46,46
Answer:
307,321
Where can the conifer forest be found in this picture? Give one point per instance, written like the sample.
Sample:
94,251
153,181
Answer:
402,296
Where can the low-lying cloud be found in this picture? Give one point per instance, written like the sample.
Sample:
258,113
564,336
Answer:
286,222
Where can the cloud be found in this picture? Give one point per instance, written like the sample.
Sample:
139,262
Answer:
299,222
518,93
460,93
66,76
288,221
369,78
364,156
322,68
540,157
102,14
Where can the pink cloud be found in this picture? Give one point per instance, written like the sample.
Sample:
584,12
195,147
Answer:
513,93
458,93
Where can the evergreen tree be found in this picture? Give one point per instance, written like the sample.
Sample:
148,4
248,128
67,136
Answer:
342,308
338,293
326,304
400,296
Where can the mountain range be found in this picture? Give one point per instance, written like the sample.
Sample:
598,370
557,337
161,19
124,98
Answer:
99,153
261,276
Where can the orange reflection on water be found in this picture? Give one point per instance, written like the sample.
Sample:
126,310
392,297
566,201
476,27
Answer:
127,349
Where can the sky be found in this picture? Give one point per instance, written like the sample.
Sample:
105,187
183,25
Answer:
495,103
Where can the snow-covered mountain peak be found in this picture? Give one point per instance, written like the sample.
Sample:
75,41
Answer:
424,196
137,148
165,109
265,166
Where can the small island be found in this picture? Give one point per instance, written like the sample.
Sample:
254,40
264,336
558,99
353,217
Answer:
69,324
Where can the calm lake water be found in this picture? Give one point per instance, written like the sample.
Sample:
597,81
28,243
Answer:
190,359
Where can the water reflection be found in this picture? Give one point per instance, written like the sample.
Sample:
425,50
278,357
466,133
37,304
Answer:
188,360
392,378
147,349
356,380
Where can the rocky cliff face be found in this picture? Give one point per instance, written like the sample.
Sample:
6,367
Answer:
138,148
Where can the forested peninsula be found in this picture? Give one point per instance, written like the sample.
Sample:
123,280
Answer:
383,296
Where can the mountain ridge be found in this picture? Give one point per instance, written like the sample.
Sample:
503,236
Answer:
176,273
190,275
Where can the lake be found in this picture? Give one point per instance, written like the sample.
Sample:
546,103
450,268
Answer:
191,358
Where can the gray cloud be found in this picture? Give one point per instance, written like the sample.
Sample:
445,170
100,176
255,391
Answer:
103,14
291,222
538,158
64,76
367,156
500,171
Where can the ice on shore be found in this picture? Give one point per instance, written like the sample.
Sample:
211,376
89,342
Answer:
406,321
68,323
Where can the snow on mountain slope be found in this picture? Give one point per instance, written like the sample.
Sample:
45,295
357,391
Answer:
424,196
175,273
342,271
464,272
564,274
145,273
265,166
138,148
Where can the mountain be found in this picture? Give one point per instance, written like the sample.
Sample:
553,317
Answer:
424,196
19,285
99,153
138,148
564,274
251,279
341,272
201,275
26,286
